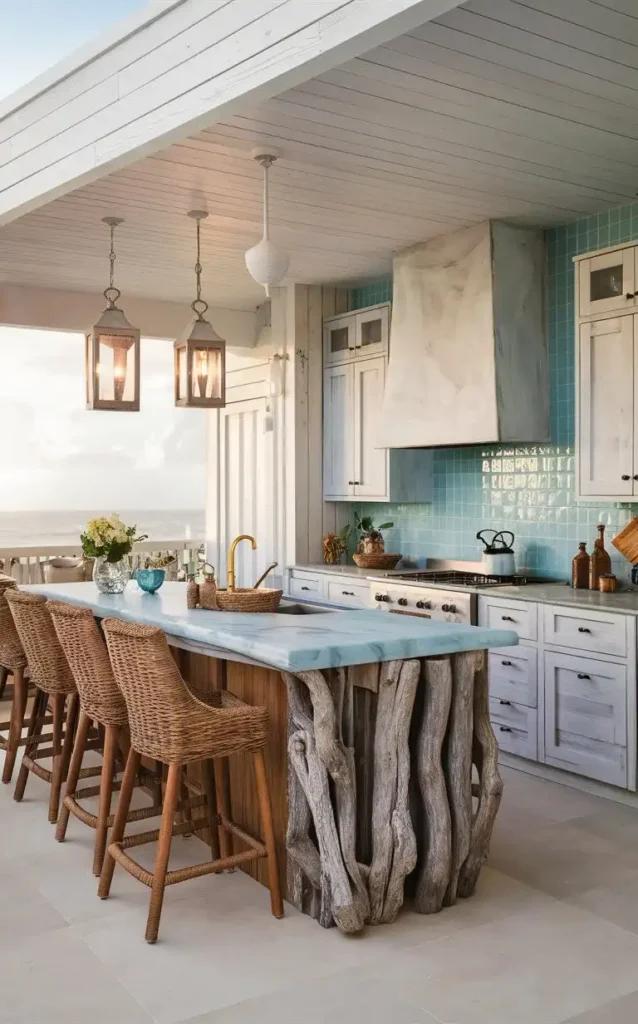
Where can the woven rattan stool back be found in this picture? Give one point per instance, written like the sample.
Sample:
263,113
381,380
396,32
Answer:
11,651
166,720
47,665
86,653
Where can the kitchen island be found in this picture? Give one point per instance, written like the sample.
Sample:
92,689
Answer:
377,724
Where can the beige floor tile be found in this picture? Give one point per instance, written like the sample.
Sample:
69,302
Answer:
619,1011
55,979
23,910
613,821
618,904
543,799
335,999
538,967
562,859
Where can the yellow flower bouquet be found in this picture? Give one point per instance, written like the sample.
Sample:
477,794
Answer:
109,538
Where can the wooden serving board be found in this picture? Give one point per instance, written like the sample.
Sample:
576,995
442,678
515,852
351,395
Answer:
627,541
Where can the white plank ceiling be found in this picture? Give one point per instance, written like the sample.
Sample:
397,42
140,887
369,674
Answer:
500,108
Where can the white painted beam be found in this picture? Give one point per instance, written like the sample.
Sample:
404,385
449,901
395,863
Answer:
192,64
52,309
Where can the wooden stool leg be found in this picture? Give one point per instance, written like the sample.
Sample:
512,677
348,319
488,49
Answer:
186,814
208,778
265,811
106,791
57,772
223,810
119,824
16,724
171,796
4,675
34,738
74,774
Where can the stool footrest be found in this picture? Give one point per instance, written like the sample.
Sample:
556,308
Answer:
71,803
208,867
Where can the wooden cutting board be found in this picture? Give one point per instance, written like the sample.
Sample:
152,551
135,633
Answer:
627,541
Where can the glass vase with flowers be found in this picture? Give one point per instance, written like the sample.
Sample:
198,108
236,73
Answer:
108,541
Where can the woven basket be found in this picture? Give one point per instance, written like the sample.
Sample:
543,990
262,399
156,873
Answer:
378,561
265,599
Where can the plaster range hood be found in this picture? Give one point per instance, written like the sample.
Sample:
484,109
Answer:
468,349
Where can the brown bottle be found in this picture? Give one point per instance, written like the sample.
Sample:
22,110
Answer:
600,562
192,593
580,568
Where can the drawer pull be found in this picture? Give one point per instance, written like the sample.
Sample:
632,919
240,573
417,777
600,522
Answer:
305,588
583,675
506,663
507,618
584,629
506,703
505,728
348,593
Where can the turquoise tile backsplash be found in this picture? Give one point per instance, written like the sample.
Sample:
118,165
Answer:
528,489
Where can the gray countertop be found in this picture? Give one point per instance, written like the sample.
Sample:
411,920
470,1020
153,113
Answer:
625,601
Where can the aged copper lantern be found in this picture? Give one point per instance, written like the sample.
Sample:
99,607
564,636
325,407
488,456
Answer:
200,355
112,351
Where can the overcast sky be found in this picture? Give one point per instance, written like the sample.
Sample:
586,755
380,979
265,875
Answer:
35,34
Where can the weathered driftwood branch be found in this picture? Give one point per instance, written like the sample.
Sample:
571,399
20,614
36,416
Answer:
458,767
434,874
490,785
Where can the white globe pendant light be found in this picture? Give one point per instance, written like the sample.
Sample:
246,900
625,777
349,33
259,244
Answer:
266,264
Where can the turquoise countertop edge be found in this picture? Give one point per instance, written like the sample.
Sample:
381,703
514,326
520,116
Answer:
318,641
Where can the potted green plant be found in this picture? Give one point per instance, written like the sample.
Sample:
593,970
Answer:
108,541
371,553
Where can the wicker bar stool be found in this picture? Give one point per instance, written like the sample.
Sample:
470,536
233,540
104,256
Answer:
13,663
100,701
169,723
53,681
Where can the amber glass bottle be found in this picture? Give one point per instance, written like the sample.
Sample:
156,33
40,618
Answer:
580,568
600,562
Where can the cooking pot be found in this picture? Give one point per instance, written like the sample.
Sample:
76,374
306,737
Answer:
498,556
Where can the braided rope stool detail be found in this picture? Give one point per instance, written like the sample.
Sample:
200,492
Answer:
170,724
100,701
54,683
12,662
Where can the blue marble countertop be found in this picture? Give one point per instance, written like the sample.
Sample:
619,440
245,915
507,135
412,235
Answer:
293,643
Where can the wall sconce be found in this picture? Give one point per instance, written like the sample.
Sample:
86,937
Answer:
112,352
200,355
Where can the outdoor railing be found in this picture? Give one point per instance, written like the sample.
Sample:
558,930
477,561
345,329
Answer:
26,564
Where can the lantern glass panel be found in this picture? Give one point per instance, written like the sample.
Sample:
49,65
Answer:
115,368
182,374
206,374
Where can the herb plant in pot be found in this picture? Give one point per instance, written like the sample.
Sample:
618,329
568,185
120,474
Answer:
371,553
108,540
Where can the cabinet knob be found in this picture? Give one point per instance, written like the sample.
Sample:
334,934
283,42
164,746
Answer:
507,618
584,629
505,728
348,593
305,588
583,675
635,476
424,604
506,663
625,476
630,295
506,703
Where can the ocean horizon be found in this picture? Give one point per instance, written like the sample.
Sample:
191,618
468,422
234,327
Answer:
63,527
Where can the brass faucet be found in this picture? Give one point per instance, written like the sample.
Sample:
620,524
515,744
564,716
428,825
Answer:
231,557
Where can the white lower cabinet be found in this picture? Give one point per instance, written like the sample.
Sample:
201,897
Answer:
568,697
327,587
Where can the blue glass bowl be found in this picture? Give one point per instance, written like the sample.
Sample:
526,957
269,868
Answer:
150,580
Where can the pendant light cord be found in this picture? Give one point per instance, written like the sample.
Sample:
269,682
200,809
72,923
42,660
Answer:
199,306
266,165
112,294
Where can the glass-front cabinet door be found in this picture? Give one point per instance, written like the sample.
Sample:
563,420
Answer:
608,283
372,328
338,340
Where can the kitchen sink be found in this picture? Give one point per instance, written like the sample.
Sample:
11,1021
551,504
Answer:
295,608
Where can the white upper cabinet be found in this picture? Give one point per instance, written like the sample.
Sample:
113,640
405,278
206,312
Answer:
370,463
607,283
357,335
338,432
607,456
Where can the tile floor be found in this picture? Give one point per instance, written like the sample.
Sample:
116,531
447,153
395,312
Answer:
551,936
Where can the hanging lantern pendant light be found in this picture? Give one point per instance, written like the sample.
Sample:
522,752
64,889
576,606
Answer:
266,264
200,355
112,350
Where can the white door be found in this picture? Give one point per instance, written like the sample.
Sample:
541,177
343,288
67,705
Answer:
370,463
607,283
339,340
586,716
242,490
372,331
606,407
338,429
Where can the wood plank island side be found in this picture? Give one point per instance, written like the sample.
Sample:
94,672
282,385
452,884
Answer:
371,771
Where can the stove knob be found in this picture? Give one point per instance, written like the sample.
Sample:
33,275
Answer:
451,608
381,597
402,601
424,604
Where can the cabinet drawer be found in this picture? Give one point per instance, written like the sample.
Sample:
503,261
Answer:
586,716
515,726
519,616
603,632
347,593
306,584
513,675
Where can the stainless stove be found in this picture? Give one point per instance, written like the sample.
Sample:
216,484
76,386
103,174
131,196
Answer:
459,578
